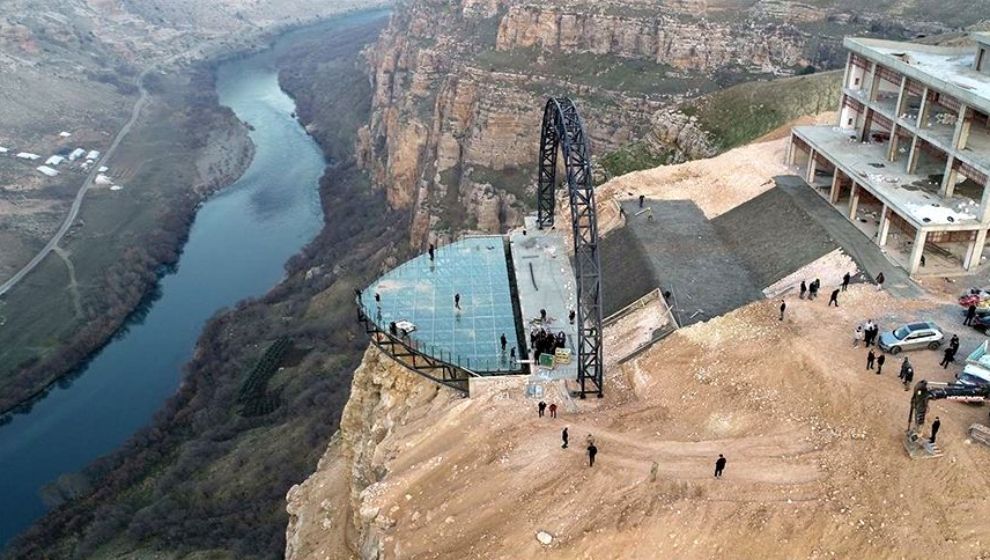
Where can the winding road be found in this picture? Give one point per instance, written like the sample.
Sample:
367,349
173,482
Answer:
77,202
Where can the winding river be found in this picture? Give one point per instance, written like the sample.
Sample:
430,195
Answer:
236,249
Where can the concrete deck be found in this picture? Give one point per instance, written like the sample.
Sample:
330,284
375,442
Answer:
908,194
545,280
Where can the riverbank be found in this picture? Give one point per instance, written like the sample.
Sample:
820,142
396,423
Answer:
230,468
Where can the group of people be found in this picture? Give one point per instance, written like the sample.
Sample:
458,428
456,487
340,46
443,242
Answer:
811,291
949,354
542,341
868,333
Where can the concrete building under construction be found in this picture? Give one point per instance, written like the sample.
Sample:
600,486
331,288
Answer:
908,159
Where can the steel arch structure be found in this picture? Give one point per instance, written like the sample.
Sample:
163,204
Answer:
563,133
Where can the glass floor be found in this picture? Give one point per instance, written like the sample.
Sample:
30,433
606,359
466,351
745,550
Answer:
422,292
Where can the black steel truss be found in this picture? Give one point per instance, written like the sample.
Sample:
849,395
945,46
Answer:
405,353
563,131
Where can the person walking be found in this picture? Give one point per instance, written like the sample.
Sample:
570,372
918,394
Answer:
970,315
880,280
564,437
857,335
592,451
571,316
642,199
845,281
457,302
880,360
540,408
954,343
504,342
804,289
834,298
905,366
870,358
935,426
553,410
432,252
719,465
948,357
783,307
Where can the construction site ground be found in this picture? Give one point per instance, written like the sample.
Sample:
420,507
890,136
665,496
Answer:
814,440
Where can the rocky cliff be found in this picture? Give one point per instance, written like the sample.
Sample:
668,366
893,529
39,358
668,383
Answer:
460,84
330,514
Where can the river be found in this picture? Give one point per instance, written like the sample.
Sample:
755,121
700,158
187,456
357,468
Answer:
237,247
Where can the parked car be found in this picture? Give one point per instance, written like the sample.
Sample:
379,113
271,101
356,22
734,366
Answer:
976,371
912,336
982,321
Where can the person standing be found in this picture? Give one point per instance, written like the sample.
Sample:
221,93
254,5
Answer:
553,410
642,199
970,315
783,306
564,437
905,366
948,357
880,280
870,358
540,408
858,335
432,252
457,302
719,465
954,343
592,451
571,316
804,289
834,298
935,426
504,342
908,377
845,281
880,360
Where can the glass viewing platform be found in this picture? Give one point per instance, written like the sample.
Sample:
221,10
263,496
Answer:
418,297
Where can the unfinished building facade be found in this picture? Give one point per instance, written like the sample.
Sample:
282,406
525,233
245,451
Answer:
908,159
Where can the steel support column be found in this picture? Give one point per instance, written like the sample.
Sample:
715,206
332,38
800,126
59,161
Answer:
563,131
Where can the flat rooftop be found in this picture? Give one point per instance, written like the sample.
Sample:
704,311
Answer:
422,292
949,69
910,195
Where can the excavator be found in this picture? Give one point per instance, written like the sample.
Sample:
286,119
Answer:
918,447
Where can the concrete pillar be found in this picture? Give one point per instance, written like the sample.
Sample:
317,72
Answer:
884,226
912,162
917,250
961,134
846,74
833,193
901,99
892,145
985,204
872,79
975,250
853,201
812,167
948,178
789,158
867,122
923,109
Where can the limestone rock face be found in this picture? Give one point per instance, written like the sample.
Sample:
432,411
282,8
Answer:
459,88
332,514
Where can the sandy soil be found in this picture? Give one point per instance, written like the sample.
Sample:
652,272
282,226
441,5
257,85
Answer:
716,185
816,464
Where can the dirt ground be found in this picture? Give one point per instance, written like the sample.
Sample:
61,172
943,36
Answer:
816,467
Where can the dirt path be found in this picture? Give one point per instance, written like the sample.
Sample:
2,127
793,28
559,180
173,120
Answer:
73,286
